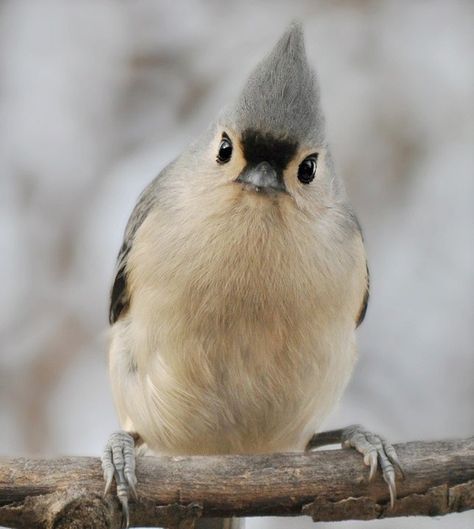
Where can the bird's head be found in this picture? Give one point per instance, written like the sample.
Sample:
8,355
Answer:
269,145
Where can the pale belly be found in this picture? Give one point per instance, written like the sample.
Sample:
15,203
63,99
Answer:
246,393
238,341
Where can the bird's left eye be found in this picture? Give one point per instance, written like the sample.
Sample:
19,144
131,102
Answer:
307,169
225,149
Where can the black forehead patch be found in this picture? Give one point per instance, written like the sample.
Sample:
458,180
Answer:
259,147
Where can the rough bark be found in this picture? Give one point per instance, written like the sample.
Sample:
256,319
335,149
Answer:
173,491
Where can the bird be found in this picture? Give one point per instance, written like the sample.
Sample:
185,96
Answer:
238,289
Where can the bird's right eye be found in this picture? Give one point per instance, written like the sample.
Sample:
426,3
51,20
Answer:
225,149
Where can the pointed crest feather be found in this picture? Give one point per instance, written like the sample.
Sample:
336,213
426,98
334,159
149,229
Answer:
281,95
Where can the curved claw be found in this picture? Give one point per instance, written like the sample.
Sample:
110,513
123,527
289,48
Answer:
108,481
392,455
390,480
123,498
132,482
129,468
370,459
376,451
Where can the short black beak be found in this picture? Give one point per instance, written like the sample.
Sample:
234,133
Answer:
263,177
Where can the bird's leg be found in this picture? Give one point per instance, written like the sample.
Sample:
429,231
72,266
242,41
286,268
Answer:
375,449
118,460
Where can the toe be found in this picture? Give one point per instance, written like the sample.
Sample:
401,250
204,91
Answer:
376,451
122,495
129,466
388,473
108,468
117,455
132,482
392,455
118,461
356,437
388,470
370,459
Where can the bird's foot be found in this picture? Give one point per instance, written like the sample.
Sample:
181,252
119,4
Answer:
118,460
376,451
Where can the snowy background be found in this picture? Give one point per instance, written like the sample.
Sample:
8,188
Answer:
95,97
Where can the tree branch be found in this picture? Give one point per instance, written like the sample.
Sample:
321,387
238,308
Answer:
174,491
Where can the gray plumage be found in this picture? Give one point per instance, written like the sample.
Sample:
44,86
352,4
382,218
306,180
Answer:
281,95
119,296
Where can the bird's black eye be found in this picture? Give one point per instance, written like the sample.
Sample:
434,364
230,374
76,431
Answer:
225,149
307,169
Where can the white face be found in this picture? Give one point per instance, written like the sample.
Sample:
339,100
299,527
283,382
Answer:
291,173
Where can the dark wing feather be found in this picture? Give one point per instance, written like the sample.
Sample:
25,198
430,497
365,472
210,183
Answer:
354,221
365,301
119,295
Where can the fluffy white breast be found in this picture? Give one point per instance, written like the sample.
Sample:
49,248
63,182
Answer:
240,332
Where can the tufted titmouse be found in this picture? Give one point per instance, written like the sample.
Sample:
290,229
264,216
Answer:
239,285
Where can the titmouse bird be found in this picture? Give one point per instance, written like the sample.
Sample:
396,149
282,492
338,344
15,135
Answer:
239,285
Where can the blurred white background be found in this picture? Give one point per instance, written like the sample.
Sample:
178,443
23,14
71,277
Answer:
97,96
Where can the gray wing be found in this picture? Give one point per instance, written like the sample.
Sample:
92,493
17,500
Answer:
119,295
355,225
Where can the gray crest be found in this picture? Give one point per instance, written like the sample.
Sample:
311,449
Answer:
281,96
